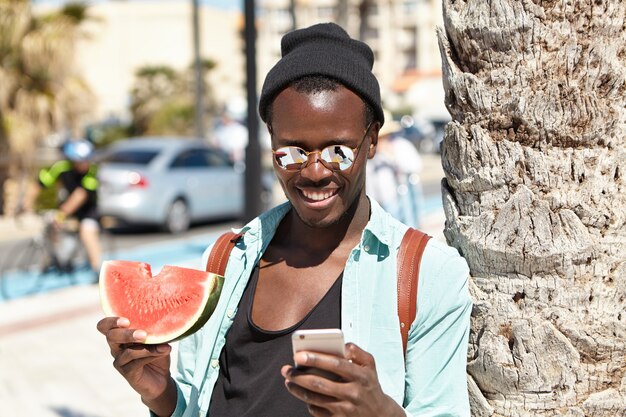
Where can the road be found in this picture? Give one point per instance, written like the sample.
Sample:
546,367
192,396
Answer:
134,237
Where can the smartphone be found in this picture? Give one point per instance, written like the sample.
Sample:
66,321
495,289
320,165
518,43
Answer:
319,340
328,341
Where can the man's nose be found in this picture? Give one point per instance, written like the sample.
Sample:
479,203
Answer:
315,169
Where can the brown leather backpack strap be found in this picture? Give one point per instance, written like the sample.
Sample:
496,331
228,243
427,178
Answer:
409,259
218,258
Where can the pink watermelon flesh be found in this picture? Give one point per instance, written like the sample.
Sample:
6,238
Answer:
168,306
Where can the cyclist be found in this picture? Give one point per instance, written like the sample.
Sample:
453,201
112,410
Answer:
77,195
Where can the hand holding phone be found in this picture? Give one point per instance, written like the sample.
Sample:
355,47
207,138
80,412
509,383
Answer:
329,341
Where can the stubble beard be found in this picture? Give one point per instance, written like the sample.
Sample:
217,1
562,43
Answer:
347,214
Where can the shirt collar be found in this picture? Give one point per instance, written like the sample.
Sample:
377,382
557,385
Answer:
264,226
377,227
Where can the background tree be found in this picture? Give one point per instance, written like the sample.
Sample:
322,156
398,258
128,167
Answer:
40,91
535,199
163,100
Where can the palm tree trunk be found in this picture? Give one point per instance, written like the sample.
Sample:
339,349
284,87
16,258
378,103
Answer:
343,7
293,15
535,199
364,12
4,161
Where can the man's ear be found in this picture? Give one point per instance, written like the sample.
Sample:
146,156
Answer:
371,151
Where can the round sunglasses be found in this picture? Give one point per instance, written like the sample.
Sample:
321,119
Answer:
335,157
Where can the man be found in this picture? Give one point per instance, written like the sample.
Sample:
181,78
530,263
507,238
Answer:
77,194
232,137
325,259
393,175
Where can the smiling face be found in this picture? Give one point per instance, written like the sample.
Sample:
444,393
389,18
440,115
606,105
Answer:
312,121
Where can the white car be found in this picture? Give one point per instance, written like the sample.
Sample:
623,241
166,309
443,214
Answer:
170,182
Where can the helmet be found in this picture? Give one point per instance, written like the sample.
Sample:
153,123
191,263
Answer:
78,150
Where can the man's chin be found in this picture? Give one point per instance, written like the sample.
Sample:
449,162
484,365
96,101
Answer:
322,222
327,218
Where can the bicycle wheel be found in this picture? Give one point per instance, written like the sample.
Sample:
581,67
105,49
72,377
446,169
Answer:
109,247
23,269
70,255
77,266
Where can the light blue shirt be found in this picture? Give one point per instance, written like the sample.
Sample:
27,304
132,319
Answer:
430,382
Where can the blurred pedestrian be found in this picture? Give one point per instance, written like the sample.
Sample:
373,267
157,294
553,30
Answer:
324,259
232,137
393,177
76,182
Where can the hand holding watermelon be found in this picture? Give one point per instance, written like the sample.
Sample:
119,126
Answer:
144,312
145,367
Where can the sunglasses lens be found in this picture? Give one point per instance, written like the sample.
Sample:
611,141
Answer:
338,156
290,157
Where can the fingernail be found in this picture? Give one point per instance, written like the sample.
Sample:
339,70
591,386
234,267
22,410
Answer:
301,358
123,322
139,335
162,348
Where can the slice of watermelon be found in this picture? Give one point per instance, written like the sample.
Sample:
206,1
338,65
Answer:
168,306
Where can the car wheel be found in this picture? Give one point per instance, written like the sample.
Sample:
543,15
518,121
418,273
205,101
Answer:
178,217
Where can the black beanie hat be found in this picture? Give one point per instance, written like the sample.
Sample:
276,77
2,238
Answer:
323,49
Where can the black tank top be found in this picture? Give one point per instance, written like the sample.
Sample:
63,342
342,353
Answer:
249,383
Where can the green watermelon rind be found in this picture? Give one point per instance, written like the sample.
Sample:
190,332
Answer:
213,289
209,308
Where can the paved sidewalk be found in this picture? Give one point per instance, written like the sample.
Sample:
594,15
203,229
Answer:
55,363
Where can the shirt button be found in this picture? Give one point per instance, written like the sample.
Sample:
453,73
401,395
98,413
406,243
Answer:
367,248
215,363
230,314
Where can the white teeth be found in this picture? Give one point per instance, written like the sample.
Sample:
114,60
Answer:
319,195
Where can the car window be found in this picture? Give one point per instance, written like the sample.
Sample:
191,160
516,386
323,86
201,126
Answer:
217,159
130,156
190,158
199,158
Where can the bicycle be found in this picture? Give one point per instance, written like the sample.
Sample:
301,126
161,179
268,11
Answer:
53,258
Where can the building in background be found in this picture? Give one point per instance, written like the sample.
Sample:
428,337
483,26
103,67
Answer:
126,35
402,34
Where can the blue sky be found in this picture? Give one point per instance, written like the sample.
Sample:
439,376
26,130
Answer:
222,4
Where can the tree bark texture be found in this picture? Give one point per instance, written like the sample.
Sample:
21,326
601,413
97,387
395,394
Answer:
535,200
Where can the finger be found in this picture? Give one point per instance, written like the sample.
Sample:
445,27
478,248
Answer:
121,335
109,323
136,368
326,388
137,355
310,397
358,356
120,339
341,367
316,411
